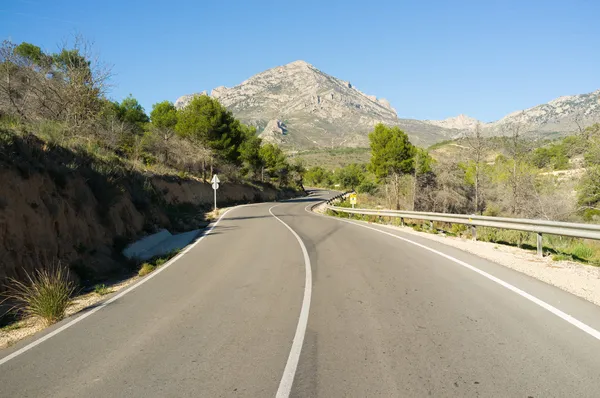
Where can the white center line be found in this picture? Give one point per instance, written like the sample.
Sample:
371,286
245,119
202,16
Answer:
285,385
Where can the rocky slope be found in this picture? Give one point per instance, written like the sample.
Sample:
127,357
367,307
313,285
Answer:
299,106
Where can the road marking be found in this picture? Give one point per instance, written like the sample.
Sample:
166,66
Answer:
113,299
563,315
285,385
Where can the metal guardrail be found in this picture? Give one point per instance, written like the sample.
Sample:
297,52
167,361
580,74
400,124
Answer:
540,227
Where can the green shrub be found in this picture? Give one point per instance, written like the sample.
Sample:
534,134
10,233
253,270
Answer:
45,295
160,261
146,269
102,290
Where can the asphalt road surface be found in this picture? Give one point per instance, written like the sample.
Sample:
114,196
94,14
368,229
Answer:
380,316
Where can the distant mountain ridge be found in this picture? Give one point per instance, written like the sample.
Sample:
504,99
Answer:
299,106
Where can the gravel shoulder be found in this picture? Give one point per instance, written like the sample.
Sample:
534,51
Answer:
576,278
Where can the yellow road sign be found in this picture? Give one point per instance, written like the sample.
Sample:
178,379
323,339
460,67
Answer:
352,198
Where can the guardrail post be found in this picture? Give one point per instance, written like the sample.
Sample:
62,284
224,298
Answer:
402,221
474,232
431,225
540,251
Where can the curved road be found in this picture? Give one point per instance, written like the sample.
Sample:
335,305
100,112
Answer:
380,316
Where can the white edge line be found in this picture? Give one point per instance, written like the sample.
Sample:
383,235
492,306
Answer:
287,379
563,315
113,299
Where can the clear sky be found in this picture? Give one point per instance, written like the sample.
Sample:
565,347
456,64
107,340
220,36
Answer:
430,59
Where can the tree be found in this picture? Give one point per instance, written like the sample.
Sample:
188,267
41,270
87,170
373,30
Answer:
422,172
275,162
391,152
519,178
164,120
207,122
132,112
250,152
351,176
478,147
66,87
392,155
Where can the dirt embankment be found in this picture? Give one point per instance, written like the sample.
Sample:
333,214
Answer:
58,205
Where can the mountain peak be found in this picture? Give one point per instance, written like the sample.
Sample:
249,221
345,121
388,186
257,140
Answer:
316,108
299,63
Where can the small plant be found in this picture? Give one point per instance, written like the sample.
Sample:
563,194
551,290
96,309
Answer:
102,290
561,257
160,261
146,269
45,295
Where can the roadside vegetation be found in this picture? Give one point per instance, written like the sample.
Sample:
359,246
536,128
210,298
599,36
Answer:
44,295
61,98
57,119
506,176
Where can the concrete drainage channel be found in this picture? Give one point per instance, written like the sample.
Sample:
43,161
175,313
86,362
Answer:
159,244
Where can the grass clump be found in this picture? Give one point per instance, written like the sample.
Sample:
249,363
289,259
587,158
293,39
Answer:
45,294
582,251
102,290
561,257
145,269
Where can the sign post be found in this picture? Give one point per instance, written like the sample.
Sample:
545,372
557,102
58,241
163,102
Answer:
353,199
215,185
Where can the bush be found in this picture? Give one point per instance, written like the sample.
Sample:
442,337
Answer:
458,229
45,295
146,269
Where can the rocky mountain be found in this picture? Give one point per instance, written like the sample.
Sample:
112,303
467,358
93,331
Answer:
299,106
460,122
561,116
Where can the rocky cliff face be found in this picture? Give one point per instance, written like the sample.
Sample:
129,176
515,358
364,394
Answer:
317,110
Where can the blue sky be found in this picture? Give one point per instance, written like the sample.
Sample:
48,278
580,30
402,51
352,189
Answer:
430,59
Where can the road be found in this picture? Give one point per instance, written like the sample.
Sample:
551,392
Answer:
381,316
